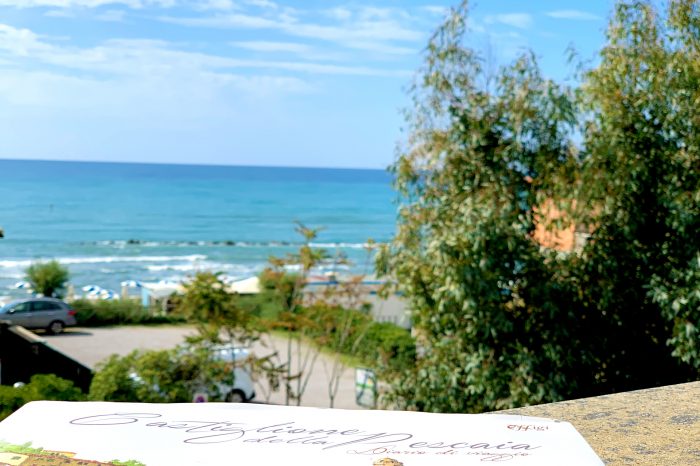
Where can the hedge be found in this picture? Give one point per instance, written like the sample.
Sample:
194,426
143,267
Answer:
102,313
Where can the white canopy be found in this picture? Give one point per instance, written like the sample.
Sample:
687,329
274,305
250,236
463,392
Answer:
248,286
163,289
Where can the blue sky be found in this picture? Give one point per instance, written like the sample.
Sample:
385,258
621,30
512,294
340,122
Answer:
243,82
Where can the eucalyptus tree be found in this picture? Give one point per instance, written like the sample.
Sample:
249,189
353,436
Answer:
488,307
641,196
503,321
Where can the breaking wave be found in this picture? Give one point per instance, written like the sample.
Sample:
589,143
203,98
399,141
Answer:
121,244
104,260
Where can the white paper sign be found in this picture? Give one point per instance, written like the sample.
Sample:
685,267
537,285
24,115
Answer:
217,433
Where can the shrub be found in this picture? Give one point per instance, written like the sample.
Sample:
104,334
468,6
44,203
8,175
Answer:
122,312
208,304
389,347
40,387
167,376
382,345
48,278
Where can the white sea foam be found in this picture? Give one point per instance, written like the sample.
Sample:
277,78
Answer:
177,268
341,245
234,269
122,244
104,260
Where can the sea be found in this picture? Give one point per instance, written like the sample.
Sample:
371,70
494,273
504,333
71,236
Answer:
109,223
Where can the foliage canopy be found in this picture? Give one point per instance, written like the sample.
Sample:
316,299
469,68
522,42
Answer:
166,376
502,321
40,387
48,278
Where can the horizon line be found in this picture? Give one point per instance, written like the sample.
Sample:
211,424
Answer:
190,164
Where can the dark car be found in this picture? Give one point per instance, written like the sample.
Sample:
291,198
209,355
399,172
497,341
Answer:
47,313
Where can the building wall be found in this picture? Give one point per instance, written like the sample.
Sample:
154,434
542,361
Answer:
23,354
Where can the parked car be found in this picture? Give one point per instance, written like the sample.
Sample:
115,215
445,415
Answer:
45,313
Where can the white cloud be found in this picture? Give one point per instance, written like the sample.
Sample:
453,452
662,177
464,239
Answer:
383,30
518,20
381,48
85,3
138,82
302,51
436,10
309,52
112,16
573,14
235,20
155,58
339,13
60,13
364,28
21,42
262,84
223,5
355,32
120,98
262,3
270,46
368,13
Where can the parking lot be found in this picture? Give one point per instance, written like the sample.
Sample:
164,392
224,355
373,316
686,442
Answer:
92,345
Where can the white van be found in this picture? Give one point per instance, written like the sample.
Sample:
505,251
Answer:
241,390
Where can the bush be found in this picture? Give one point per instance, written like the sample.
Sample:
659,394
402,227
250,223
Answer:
389,347
48,278
167,376
122,312
379,345
40,387
209,305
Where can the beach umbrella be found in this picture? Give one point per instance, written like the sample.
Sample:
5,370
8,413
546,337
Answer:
131,284
106,295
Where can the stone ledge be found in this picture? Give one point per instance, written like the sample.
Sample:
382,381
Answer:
656,426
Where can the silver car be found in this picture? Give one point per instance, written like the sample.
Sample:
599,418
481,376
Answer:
47,313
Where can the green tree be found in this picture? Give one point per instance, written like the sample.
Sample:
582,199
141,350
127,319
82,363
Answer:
166,376
223,317
219,315
314,317
640,197
48,278
287,290
490,313
501,321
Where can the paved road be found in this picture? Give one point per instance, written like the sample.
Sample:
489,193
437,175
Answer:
92,345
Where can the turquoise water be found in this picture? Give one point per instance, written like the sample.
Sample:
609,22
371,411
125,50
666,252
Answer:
109,222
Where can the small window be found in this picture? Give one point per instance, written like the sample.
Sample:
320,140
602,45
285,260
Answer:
44,306
21,307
